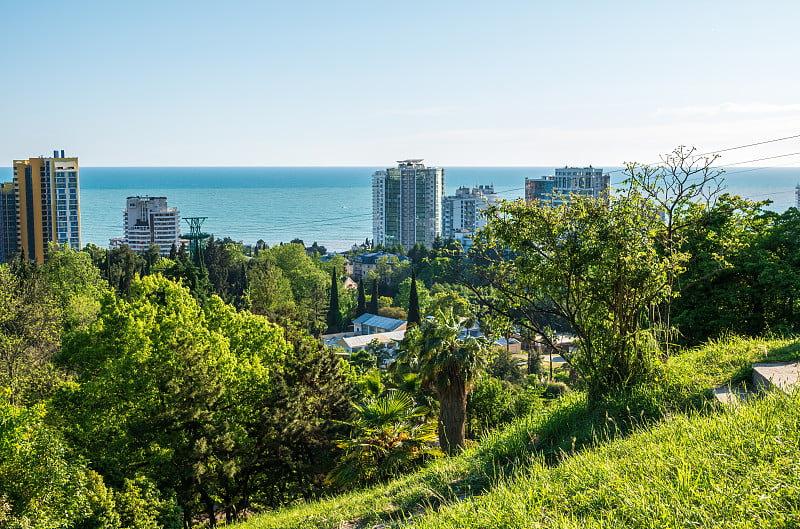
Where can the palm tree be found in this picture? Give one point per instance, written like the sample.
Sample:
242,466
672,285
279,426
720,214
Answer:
389,435
448,360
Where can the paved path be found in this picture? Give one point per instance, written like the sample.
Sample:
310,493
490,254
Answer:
782,376
766,376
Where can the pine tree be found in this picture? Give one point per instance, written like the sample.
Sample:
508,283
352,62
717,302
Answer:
334,318
413,302
373,303
173,252
362,300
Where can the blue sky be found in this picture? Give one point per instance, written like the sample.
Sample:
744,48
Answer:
366,83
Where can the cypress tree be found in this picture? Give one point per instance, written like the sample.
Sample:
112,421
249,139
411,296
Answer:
373,303
413,302
334,317
173,252
362,300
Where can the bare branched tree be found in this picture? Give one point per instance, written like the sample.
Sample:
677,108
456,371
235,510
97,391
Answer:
682,183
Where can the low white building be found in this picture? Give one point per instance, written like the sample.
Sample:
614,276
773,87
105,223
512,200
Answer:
351,344
148,220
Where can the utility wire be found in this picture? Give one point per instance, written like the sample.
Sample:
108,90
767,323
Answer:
750,145
730,149
761,159
507,191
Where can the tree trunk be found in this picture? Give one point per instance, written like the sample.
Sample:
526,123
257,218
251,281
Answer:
209,505
452,415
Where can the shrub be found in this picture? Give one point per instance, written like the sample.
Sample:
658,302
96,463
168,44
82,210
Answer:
553,390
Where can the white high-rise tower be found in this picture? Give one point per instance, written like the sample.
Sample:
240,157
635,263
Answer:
148,220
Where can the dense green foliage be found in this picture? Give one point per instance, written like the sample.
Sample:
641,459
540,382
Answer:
141,391
594,264
389,435
40,487
576,465
178,421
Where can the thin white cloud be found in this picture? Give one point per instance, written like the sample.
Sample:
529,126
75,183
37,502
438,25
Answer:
729,108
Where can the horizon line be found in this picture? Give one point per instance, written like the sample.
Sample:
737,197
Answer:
445,166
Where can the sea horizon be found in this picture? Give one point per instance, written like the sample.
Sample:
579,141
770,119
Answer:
331,205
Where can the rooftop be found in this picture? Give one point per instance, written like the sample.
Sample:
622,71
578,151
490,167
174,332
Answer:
381,322
372,258
365,339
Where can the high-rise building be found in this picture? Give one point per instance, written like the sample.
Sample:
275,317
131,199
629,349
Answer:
539,188
148,220
47,204
407,204
461,213
586,181
8,222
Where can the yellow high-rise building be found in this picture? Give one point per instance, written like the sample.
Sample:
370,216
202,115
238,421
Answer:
47,204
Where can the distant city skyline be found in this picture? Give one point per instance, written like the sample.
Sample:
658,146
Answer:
511,83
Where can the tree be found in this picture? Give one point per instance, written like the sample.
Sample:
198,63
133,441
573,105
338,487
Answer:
151,255
413,302
683,185
40,487
227,269
505,367
270,292
450,299
76,284
123,266
334,317
183,254
185,417
396,313
309,284
389,435
592,264
30,329
372,308
362,300
448,360
757,288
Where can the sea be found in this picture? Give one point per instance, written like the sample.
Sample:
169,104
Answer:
329,205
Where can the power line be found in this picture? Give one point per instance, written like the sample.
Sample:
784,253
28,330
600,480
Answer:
750,145
762,159
512,190
774,140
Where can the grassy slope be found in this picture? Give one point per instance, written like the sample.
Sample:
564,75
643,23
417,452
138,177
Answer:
617,465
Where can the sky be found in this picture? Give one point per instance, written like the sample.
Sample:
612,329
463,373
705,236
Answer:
457,83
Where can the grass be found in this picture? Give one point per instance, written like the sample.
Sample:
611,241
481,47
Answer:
736,468
660,456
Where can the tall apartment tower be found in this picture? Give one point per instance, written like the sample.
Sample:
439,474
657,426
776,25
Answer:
9,244
47,204
148,220
586,181
407,204
461,213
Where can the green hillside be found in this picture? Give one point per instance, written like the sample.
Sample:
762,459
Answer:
664,456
